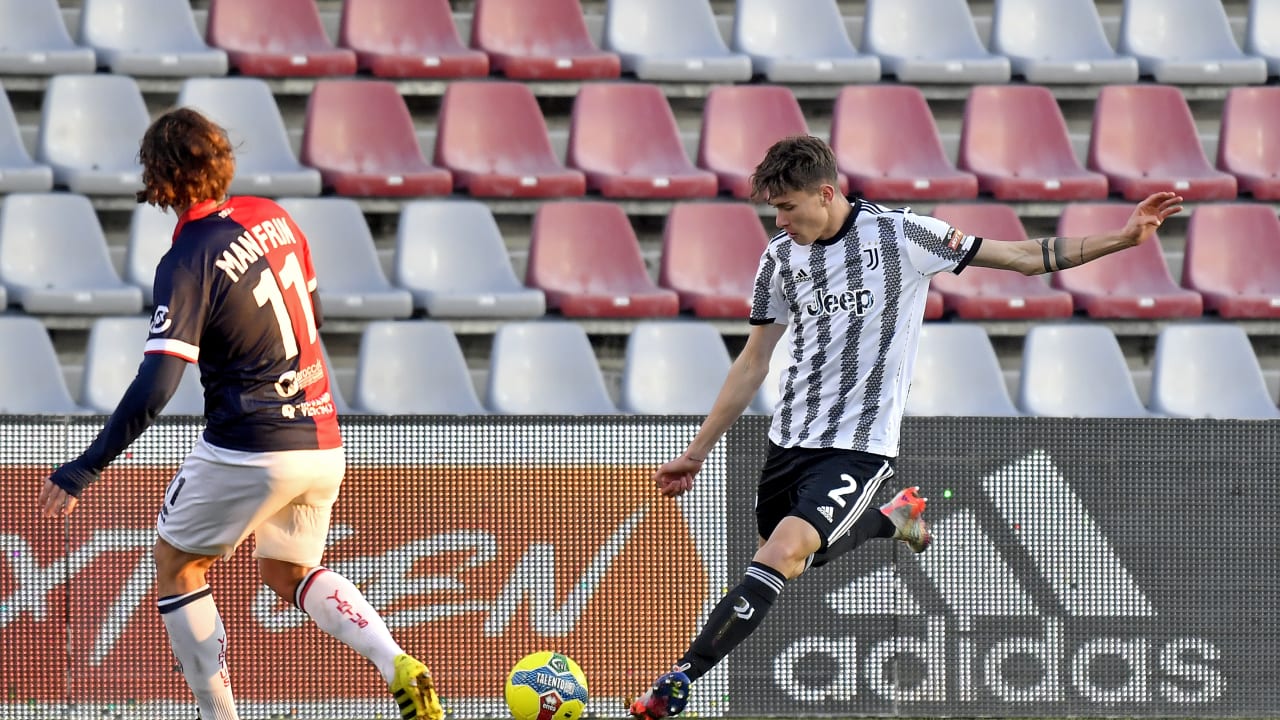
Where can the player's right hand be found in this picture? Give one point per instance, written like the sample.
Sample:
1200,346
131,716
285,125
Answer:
675,478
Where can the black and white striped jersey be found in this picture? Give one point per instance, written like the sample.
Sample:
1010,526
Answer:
854,304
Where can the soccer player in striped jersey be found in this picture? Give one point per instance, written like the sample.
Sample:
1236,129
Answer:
237,294
844,285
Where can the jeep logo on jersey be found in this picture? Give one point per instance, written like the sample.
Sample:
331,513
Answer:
850,301
160,320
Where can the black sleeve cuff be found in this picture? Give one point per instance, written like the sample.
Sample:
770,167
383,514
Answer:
762,321
968,257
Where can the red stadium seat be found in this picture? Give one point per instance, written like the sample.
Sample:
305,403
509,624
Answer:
585,257
979,293
540,40
933,305
1132,283
1233,259
1015,140
738,126
281,38
886,142
408,39
492,137
1144,140
359,135
623,136
710,253
1249,143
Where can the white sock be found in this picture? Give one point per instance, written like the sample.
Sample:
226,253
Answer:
341,610
199,641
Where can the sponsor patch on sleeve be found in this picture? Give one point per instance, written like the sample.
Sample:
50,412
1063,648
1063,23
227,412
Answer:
955,239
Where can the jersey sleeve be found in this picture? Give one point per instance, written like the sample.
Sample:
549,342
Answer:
182,310
933,246
768,304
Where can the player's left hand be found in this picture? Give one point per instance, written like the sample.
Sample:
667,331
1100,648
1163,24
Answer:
53,500
1150,213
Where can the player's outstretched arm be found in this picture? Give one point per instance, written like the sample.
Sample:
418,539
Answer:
1042,255
745,375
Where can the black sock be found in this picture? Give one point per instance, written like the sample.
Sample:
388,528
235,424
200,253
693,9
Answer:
737,615
871,524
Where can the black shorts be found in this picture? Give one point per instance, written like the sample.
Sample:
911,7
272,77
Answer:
828,487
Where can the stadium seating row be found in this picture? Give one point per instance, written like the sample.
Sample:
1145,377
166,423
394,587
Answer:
916,41
1073,370
450,260
491,140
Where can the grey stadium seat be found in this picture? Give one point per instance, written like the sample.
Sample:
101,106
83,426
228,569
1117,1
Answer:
929,41
150,237
545,368
30,378
675,40
17,171
34,40
1076,370
786,44
673,368
413,368
90,128
957,373
1186,41
348,272
1210,371
265,161
54,259
148,37
1262,35
111,361
1058,41
451,256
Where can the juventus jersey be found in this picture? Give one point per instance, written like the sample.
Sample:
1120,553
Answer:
234,295
854,304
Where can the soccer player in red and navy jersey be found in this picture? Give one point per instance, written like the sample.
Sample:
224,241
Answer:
237,294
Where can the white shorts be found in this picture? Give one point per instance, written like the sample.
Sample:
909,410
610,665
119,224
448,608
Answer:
219,497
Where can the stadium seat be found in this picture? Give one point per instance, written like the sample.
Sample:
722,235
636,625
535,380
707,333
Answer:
786,46
281,38
1132,283
671,40
957,373
1249,142
1262,34
1209,371
90,127
1182,42
1233,259
738,126
492,137
359,135
246,109
545,368
1058,41
1076,370
979,293
4,298
673,368
710,254
413,368
31,379
1015,140
53,257
539,40
408,39
934,305
148,37
886,142
350,278
929,41
34,40
18,173
623,137
586,258
1145,140
452,258
150,237
111,360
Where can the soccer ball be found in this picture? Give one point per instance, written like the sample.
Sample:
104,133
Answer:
546,686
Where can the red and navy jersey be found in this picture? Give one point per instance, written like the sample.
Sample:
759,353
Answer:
234,295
